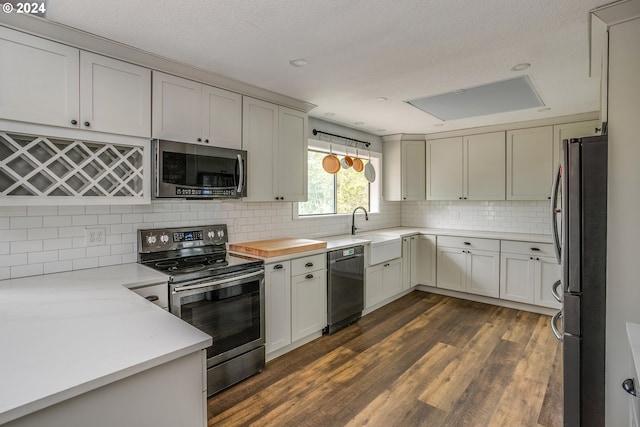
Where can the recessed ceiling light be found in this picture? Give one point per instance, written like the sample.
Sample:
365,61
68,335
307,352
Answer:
458,92
381,99
358,123
329,114
520,67
301,62
540,110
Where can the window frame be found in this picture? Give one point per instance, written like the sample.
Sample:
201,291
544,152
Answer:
375,188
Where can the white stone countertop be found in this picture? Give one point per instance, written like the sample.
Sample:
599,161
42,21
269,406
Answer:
365,238
633,333
65,334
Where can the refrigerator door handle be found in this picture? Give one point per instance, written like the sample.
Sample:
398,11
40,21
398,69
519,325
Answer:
554,290
554,210
554,325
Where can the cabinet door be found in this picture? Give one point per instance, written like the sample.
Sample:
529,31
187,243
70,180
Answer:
260,140
425,261
221,118
413,170
115,96
277,305
38,80
546,273
529,163
406,263
308,304
373,289
451,268
444,169
484,166
568,131
392,278
292,149
516,277
177,108
483,273
415,259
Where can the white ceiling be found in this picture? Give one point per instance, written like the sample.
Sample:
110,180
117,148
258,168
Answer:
359,50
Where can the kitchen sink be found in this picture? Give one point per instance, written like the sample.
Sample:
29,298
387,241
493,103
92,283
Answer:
383,247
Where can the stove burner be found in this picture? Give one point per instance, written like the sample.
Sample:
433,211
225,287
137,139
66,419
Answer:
217,261
196,259
189,269
165,264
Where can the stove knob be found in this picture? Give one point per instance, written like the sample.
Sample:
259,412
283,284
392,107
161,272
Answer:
152,240
221,233
164,238
211,234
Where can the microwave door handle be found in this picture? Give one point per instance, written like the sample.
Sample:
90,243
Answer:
555,211
241,170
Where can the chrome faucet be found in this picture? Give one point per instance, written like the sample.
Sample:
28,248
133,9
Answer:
353,219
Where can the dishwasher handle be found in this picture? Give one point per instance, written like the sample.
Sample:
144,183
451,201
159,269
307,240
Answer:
333,261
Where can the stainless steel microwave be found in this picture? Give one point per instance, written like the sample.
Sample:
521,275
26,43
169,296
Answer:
198,172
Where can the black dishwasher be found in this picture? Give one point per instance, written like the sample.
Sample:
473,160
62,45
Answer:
345,287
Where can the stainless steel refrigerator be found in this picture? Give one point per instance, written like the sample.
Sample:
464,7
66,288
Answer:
581,246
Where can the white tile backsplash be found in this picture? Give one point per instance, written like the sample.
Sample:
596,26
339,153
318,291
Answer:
505,216
36,240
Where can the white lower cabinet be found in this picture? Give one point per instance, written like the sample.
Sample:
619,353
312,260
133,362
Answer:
308,303
382,281
528,272
424,262
469,265
295,300
277,305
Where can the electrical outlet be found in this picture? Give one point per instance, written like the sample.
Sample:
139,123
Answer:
95,236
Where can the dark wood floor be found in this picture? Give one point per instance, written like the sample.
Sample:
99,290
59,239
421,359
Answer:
423,360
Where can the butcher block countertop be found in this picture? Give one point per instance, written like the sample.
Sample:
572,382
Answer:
277,247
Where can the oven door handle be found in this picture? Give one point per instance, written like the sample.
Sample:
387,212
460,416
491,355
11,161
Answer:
217,282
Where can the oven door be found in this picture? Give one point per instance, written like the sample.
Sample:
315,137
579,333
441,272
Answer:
231,310
198,172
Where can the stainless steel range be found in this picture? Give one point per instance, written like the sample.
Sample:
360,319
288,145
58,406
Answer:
219,293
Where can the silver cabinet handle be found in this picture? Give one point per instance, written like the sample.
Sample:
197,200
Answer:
554,325
554,290
554,211
629,386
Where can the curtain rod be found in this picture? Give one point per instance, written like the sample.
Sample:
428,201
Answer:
315,132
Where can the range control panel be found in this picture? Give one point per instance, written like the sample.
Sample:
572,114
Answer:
164,239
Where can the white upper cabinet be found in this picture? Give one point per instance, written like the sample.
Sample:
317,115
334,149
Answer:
38,80
568,131
470,167
530,163
221,117
444,169
275,139
404,163
188,111
484,166
115,96
49,83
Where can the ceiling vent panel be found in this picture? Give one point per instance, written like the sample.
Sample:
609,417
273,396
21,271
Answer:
499,97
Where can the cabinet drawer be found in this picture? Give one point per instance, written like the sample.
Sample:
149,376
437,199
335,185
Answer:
308,263
469,243
527,248
151,292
